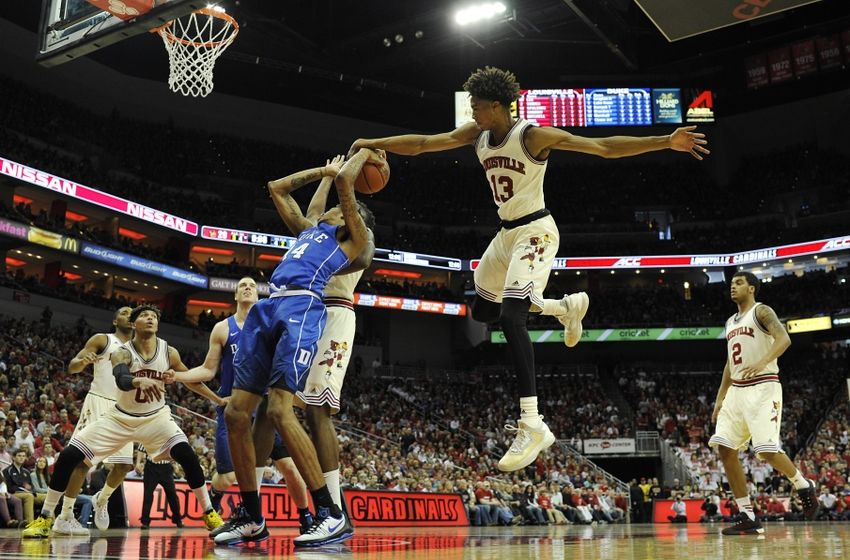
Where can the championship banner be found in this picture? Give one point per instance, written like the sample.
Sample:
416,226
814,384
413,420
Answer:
679,20
66,187
368,508
623,335
608,446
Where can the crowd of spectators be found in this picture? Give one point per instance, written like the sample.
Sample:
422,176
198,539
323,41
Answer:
210,177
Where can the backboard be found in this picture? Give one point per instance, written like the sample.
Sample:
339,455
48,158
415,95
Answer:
69,29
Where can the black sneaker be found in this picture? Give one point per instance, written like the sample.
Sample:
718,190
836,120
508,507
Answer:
239,514
744,526
809,498
305,521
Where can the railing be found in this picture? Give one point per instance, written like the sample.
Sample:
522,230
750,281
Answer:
49,357
674,467
647,443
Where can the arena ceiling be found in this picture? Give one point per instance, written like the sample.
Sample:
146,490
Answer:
331,55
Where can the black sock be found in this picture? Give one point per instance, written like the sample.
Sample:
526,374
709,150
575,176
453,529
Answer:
304,514
251,503
322,499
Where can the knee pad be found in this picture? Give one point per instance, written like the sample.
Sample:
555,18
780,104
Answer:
485,311
65,465
187,459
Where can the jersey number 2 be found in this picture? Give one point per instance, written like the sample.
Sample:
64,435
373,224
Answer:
736,354
505,185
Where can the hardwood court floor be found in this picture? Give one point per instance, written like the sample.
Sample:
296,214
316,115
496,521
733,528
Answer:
814,541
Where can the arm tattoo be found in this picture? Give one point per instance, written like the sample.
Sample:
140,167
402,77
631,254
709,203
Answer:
308,178
768,319
120,356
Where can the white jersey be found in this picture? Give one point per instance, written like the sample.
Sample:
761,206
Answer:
747,342
103,384
342,285
514,175
138,402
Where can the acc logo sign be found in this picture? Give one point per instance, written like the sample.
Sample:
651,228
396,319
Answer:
626,262
838,243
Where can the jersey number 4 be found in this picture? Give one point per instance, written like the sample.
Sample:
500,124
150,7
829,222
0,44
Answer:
298,251
503,188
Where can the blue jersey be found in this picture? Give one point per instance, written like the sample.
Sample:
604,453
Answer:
313,259
227,353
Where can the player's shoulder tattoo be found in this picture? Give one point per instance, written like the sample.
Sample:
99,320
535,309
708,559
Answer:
767,318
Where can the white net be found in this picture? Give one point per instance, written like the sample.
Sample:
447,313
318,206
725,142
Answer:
193,43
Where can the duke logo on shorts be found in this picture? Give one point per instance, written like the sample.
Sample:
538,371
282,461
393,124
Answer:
280,334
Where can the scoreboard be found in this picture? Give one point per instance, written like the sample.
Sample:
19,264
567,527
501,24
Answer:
586,107
618,107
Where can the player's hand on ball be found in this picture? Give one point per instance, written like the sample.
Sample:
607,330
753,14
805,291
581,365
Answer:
333,166
378,157
356,146
686,140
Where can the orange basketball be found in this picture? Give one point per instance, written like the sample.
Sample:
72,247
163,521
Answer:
373,177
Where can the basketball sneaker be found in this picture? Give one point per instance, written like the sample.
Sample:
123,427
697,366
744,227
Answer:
527,445
243,530
39,528
101,512
305,521
326,529
238,514
576,305
212,520
811,505
744,526
69,526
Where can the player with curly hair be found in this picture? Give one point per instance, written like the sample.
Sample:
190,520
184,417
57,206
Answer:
514,270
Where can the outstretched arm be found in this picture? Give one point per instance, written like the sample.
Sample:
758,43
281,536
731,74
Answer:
88,355
415,144
767,318
319,202
177,366
357,230
280,190
207,370
540,140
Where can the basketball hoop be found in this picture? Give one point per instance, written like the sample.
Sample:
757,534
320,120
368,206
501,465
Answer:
194,43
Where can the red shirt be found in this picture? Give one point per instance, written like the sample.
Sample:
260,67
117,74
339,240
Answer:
544,502
482,494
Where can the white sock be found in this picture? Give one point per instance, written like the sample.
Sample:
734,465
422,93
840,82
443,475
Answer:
528,411
800,481
53,497
332,480
203,497
259,471
554,307
106,492
67,508
745,506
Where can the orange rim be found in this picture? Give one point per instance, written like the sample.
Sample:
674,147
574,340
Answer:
164,31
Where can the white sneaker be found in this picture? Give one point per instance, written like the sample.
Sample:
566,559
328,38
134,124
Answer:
576,305
101,512
527,445
243,530
70,526
325,530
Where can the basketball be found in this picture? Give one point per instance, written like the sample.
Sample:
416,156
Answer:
373,177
